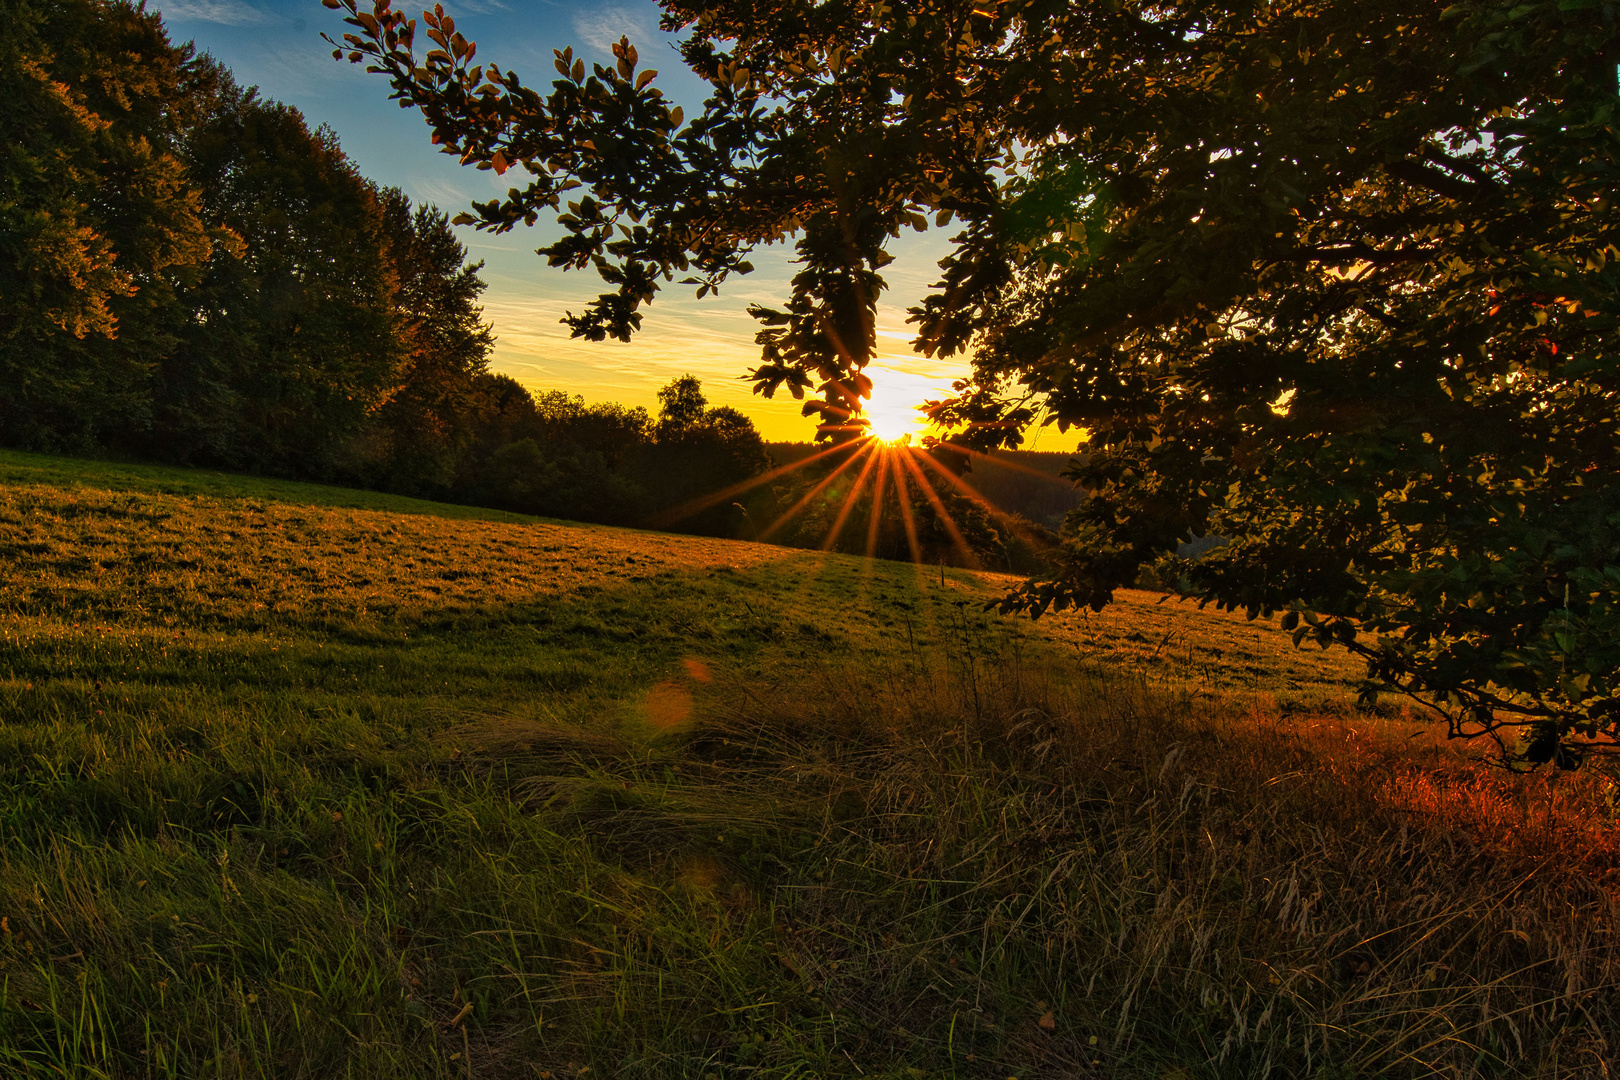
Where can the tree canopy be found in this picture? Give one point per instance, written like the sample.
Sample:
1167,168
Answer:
188,272
1334,281
98,225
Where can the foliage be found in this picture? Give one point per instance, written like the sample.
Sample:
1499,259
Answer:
681,405
296,341
269,746
1336,281
558,456
1029,482
187,272
605,428
430,418
98,223
702,448
561,480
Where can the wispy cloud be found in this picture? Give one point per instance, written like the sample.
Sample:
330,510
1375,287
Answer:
601,27
226,12
447,196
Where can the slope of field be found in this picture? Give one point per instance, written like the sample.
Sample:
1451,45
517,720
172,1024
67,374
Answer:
297,781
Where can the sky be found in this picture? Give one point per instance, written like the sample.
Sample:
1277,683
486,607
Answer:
276,46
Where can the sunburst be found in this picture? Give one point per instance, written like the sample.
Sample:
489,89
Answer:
883,462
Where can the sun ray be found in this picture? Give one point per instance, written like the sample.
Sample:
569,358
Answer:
957,539
813,492
849,500
872,526
1006,463
902,494
702,503
970,492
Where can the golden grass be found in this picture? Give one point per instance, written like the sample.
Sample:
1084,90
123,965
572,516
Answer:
1140,886
1208,652
153,557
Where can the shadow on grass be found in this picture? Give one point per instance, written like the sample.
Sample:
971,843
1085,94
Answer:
867,870
518,827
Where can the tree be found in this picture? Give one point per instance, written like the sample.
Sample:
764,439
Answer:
615,431
1336,281
298,338
98,224
699,449
428,423
559,479
681,405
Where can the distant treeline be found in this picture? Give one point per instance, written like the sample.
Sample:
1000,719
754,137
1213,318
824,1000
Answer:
556,455
188,273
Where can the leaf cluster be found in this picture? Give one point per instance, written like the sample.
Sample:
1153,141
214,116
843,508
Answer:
1333,281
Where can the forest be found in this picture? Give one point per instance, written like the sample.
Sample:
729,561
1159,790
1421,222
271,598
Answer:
190,274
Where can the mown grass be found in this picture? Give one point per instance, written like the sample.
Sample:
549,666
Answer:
296,786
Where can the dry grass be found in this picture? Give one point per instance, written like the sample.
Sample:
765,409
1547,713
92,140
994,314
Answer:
1073,879
1216,654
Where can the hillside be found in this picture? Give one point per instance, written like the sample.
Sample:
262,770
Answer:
306,782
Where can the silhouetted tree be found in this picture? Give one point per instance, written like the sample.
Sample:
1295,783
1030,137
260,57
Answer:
617,432
425,429
681,405
297,340
1338,281
699,449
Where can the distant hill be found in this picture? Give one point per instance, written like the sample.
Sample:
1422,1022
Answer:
1023,482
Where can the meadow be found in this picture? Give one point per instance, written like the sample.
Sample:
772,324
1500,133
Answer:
307,782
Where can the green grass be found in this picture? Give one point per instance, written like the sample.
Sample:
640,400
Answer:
302,782
72,474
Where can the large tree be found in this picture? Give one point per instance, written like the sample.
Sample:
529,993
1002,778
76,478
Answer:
99,225
429,424
1333,280
297,338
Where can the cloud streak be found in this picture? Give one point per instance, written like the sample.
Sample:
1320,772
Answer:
223,12
601,27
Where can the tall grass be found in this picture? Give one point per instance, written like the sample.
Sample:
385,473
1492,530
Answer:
973,867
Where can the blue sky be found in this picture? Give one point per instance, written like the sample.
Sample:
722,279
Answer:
276,46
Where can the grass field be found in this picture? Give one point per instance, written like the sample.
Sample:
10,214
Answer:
304,782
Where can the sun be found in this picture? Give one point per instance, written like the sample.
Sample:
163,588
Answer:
890,429
892,410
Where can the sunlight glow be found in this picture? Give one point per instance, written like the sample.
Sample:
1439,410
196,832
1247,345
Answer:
896,395
883,464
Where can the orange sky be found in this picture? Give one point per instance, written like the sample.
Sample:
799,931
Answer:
711,339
